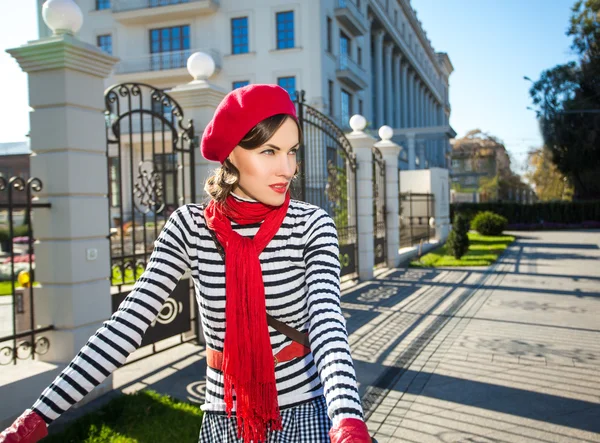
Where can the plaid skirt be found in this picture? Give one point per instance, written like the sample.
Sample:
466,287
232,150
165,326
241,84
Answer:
305,423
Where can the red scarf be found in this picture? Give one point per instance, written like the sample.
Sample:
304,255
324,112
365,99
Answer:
248,364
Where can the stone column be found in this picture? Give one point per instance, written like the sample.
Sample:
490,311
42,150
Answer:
367,65
362,145
390,152
411,100
68,142
410,142
404,114
199,100
389,86
398,92
379,91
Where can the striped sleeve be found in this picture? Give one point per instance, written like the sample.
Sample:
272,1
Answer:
122,334
327,327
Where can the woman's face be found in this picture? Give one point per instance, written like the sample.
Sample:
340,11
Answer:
266,172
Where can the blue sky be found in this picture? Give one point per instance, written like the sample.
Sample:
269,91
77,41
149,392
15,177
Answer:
492,45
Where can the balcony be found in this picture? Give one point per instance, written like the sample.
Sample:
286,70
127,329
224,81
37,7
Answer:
161,65
148,11
349,73
350,16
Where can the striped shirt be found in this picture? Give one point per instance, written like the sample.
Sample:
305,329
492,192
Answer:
300,268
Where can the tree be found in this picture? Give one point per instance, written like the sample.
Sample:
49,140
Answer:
458,239
549,182
567,98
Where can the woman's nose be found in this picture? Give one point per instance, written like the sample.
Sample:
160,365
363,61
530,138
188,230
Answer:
287,167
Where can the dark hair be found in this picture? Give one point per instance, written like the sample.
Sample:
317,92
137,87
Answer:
225,178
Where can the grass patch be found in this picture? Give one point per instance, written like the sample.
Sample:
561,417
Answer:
143,417
6,288
483,251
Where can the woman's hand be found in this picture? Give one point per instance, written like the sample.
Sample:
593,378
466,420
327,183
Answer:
28,428
350,430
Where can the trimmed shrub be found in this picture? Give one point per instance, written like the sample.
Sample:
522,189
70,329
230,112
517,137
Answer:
488,223
458,240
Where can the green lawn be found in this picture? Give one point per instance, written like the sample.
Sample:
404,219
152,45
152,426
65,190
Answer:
6,288
483,251
144,417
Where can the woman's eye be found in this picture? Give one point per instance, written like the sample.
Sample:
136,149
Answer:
268,152
294,152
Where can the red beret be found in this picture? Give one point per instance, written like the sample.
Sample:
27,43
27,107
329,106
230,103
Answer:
240,111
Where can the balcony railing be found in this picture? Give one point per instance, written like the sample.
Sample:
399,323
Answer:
130,5
162,61
351,73
349,14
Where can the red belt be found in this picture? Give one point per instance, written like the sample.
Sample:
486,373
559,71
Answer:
214,359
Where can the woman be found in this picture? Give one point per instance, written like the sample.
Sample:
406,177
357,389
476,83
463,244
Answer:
282,377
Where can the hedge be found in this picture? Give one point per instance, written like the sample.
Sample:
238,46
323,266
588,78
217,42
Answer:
557,213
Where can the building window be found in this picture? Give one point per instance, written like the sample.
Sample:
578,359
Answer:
331,95
240,84
115,181
102,4
289,84
239,35
345,50
104,42
329,34
170,47
360,107
285,30
455,164
359,56
468,165
346,108
396,18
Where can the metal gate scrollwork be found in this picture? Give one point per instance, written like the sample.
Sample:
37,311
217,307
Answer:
379,208
151,172
328,178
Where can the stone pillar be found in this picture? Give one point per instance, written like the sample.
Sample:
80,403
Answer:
390,152
362,145
68,142
389,86
199,100
410,142
398,92
404,114
379,91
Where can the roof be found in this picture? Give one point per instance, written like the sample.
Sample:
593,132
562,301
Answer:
15,148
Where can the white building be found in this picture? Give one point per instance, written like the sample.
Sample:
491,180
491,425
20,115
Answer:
370,57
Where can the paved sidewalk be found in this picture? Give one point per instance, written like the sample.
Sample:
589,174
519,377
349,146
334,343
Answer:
507,354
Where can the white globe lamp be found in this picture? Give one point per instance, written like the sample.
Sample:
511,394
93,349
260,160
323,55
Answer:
201,66
386,133
62,16
358,123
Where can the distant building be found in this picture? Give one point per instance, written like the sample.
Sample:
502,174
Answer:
480,171
369,57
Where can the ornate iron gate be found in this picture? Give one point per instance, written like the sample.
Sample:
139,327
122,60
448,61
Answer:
379,208
415,212
21,338
151,172
328,178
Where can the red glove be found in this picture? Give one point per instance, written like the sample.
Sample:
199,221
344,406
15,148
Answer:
349,430
28,428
